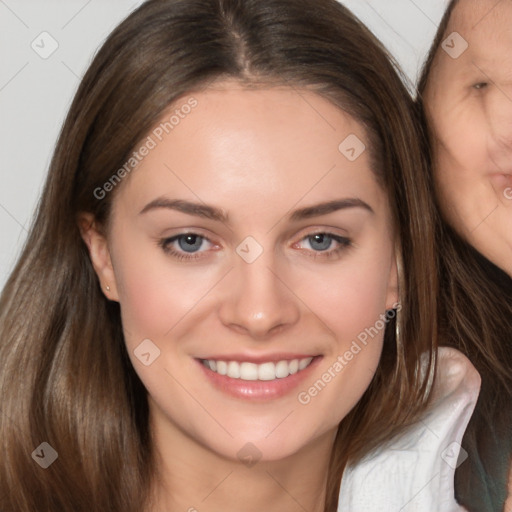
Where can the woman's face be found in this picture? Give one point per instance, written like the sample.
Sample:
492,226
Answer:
469,104
249,239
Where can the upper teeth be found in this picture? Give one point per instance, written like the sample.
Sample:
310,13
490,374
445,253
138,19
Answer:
252,371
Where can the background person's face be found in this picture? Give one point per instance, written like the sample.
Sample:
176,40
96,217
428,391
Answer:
469,105
257,156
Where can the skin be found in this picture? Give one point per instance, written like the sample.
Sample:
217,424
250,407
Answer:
469,105
279,156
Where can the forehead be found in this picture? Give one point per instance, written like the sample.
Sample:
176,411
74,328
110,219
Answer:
274,146
484,23
260,128
486,26
250,126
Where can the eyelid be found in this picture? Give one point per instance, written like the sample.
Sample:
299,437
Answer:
330,234
173,238
321,230
199,232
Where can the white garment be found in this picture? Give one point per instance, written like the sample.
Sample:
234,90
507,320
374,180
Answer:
415,472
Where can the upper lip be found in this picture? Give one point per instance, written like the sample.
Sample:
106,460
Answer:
258,359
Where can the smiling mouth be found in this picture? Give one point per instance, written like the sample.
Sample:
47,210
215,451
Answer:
251,371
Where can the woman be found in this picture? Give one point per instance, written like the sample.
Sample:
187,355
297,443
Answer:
465,92
205,309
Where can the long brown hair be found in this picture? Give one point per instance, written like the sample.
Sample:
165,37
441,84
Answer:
66,378
475,302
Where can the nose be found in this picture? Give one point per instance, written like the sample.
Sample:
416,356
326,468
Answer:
257,301
500,118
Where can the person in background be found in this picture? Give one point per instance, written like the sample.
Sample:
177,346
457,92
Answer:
465,96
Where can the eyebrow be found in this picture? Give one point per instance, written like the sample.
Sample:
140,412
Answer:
213,213
196,209
329,207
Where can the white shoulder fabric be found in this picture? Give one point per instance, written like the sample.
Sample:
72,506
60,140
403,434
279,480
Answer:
415,472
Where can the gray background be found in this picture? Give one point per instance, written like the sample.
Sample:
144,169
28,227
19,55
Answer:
35,92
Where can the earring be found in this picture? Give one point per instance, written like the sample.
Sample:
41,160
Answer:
108,288
398,321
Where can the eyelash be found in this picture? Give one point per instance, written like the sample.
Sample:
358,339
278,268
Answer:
344,244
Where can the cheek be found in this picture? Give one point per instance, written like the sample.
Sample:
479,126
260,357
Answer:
460,162
351,297
359,322
155,295
356,313
354,304
462,152
353,308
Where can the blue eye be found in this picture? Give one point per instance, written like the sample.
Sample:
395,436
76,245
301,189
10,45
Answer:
185,246
325,245
191,246
190,243
320,241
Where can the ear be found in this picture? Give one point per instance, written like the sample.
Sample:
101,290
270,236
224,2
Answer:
99,253
393,295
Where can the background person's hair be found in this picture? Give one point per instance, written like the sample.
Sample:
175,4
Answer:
66,377
440,36
475,302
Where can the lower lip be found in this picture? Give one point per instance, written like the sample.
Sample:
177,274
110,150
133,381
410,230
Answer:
258,390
